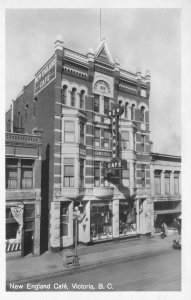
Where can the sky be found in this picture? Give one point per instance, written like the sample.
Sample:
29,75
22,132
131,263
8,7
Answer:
145,38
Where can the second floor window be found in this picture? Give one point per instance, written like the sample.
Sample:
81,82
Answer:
97,137
96,103
143,175
26,174
126,175
124,140
167,182
97,173
69,172
82,128
69,131
106,138
142,143
11,174
81,172
176,183
19,174
157,182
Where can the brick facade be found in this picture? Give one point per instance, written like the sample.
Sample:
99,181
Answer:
76,140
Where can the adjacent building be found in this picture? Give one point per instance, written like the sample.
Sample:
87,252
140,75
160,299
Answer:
166,189
71,99
23,193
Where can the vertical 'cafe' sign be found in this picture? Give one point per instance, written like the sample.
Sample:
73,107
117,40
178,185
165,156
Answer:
116,162
45,76
114,115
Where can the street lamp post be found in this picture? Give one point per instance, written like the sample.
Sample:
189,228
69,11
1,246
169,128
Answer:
77,216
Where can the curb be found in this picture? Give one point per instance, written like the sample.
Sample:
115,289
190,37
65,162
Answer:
87,266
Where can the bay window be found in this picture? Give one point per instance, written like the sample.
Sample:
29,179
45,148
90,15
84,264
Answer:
69,172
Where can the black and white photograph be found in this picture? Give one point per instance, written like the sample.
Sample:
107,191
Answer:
93,151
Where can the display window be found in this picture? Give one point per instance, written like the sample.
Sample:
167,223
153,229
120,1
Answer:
127,218
101,220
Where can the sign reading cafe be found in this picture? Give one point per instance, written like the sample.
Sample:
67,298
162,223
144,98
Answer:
116,162
46,75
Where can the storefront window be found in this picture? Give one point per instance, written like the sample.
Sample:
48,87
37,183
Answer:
100,220
127,218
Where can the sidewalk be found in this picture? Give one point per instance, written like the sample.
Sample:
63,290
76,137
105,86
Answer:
49,264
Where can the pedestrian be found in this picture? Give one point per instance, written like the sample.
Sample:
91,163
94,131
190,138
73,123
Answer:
163,230
179,227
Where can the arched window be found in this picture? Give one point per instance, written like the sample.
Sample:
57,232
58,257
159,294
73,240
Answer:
73,97
142,114
126,110
64,94
133,112
82,99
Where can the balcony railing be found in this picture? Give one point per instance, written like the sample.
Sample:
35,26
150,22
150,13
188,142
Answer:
22,138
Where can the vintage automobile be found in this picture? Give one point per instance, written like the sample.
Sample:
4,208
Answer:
177,244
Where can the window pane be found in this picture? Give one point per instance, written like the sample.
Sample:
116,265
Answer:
69,137
63,229
106,134
26,183
96,172
97,132
68,171
69,126
12,173
27,173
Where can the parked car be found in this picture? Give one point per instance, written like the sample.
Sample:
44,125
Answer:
177,244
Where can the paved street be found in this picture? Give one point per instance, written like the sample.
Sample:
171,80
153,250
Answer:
157,272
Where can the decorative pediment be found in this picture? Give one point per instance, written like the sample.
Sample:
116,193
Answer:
103,53
102,86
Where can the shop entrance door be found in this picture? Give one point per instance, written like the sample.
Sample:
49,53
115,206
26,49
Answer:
28,242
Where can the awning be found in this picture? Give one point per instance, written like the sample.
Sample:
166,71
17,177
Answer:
167,211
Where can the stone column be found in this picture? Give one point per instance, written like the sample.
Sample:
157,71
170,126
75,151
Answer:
115,219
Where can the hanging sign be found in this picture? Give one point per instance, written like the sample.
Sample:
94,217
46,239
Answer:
45,76
116,162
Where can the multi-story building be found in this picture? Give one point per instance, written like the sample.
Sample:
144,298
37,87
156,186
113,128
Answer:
23,193
166,189
70,99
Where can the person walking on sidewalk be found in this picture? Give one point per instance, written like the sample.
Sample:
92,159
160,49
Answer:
163,230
